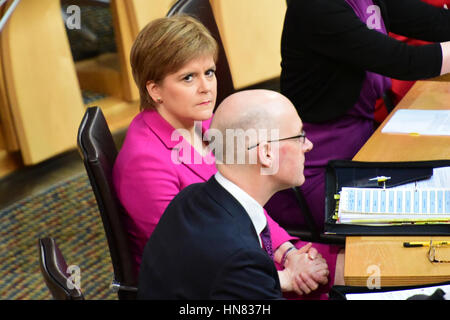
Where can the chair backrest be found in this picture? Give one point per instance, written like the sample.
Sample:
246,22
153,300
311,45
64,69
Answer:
202,11
311,232
54,270
251,33
98,150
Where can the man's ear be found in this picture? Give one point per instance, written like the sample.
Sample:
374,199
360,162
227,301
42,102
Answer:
268,158
265,154
153,90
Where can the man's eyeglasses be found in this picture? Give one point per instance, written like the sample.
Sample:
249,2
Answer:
301,137
432,253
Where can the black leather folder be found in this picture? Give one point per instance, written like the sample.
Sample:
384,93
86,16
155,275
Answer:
346,173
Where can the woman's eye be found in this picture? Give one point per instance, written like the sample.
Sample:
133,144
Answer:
210,72
188,78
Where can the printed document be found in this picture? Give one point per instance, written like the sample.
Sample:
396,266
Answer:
426,201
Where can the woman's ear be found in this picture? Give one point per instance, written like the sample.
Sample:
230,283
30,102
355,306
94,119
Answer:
153,90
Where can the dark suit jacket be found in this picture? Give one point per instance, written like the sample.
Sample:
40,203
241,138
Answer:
205,247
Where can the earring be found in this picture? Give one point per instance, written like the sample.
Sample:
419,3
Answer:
159,100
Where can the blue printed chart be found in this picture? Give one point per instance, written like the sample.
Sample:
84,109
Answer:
380,206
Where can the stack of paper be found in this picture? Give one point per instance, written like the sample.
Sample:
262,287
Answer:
381,206
424,202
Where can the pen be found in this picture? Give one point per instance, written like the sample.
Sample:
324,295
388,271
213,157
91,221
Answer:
381,179
414,244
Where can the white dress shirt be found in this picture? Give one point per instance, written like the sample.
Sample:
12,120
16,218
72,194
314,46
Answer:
251,206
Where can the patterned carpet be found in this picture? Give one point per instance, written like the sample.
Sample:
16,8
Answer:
67,212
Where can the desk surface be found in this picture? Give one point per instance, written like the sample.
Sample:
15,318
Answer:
367,258
400,267
431,95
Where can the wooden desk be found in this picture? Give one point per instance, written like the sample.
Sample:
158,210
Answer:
402,147
397,266
367,258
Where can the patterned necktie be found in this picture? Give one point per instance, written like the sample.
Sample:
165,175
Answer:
267,241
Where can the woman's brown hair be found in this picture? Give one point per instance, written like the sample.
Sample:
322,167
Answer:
164,46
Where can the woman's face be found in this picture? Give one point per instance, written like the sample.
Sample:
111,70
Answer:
187,95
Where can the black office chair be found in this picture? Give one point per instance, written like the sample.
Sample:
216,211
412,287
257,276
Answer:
202,11
54,270
97,148
312,232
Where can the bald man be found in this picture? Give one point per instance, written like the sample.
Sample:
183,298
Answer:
209,243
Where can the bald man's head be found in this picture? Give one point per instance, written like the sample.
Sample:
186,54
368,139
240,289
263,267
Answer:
250,109
245,118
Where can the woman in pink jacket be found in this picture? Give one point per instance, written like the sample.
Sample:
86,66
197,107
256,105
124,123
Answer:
173,62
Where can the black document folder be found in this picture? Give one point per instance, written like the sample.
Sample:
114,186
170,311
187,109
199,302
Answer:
346,173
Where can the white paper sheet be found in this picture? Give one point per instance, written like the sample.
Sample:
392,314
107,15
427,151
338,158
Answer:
424,122
398,295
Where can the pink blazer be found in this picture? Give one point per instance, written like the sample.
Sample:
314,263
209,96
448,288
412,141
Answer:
147,178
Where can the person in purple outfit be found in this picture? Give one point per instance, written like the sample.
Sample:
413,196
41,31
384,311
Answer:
337,60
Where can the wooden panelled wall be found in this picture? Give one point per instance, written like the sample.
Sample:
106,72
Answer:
40,85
